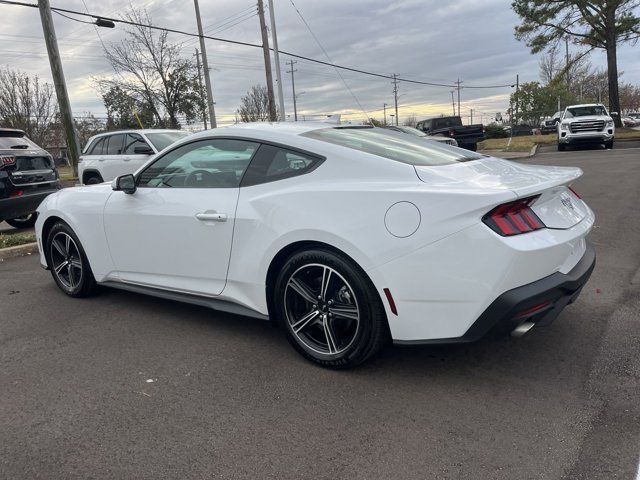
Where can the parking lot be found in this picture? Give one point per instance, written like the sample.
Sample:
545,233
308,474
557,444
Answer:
127,386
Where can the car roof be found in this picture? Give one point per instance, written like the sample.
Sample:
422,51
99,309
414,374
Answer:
16,131
272,129
140,130
586,105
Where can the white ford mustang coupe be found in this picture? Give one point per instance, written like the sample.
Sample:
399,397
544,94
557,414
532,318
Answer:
346,236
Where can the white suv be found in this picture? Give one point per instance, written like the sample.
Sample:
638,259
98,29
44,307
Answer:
109,155
583,124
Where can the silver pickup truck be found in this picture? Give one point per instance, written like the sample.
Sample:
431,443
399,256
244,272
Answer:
585,124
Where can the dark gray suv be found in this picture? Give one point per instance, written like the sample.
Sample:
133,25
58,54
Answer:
27,176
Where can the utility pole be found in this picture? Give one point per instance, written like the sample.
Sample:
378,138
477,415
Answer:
48,29
276,58
384,106
566,61
453,102
205,65
458,87
204,110
267,62
395,95
293,86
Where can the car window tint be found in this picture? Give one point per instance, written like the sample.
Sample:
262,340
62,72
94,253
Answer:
132,141
214,163
114,147
97,147
273,163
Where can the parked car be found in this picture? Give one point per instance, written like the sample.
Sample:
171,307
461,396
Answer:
467,136
630,122
109,155
27,176
586,124
549,125
420,133
345,236
635,116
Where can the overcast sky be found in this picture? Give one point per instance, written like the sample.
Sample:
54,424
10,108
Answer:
429,40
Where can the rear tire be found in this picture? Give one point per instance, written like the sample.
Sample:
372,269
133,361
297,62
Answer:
27,221
68,262
329,309
92,179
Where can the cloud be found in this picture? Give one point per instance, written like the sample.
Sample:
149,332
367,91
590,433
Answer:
427,40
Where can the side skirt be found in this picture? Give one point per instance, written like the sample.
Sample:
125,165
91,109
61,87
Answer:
213,303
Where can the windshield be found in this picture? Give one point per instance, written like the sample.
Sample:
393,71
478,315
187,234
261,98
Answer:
588,111
393,145
162,140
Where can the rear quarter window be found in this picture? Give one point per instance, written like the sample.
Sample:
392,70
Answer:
393,145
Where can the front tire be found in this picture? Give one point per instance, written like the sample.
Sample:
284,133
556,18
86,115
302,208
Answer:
68,262
608,145
561,147
329,309
27,221
92,179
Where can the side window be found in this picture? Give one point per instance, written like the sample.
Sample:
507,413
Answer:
114,147
214,163
96,149
132,141
275,163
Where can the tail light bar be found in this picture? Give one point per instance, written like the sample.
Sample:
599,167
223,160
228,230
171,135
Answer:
514,218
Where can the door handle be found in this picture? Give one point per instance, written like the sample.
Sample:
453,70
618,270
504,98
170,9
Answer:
211,217
126,159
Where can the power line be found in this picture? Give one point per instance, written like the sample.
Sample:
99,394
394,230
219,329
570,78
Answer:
366,114
253,45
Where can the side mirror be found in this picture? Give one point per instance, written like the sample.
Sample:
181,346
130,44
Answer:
143,150
124,183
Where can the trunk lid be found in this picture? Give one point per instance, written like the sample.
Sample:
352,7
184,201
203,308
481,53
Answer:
556,205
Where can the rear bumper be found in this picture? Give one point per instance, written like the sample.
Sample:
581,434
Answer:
23,205
539,302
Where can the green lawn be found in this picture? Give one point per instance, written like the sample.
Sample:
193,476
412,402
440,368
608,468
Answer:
14,239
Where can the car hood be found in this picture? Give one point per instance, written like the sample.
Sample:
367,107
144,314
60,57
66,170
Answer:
591,118
490,175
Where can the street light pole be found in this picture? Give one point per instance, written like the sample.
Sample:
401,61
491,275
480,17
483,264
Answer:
385,113
276,58
73,147
205,66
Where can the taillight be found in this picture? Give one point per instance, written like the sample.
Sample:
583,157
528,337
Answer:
574,192
513,218
8,160
16,193
452,133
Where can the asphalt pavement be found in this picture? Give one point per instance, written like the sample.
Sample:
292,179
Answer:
126,386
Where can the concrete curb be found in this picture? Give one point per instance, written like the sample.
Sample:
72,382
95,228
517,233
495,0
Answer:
18,251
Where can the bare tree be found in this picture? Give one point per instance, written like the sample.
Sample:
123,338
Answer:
27,103
410,121
254,106
152,72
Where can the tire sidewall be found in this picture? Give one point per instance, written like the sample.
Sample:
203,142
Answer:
362,290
